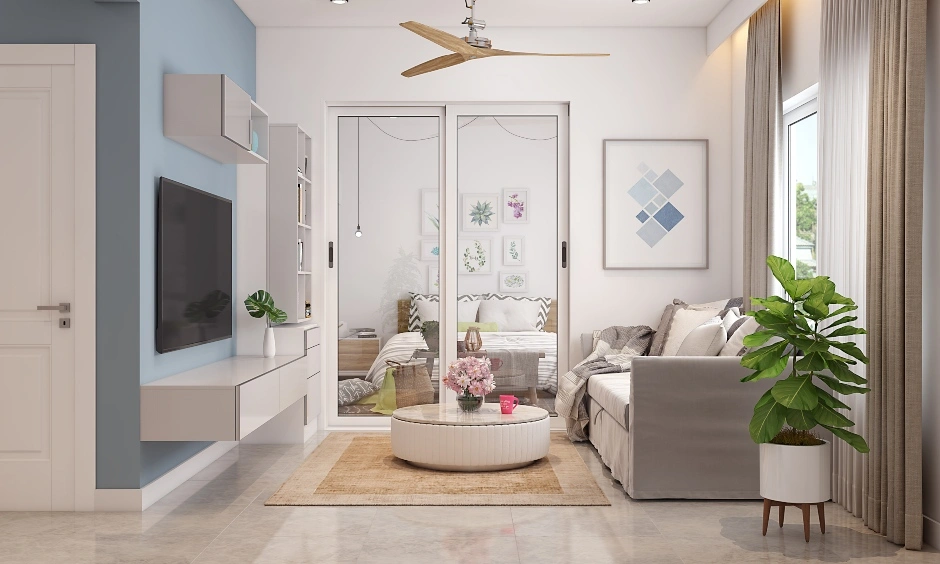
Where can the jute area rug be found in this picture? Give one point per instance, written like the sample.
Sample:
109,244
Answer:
359,469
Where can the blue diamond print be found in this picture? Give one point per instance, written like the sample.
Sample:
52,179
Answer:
652,208
659,200
650,175
669,216
642,216
668,183
651,233
642,192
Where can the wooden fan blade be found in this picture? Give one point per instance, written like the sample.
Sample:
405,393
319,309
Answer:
500,52
445,40
435,64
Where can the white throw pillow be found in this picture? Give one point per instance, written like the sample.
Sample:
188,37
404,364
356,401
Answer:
430,311
735,343
704,340
729,319
511,315
683,323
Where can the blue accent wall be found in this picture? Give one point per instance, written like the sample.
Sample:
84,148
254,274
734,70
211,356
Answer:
115,30
190,37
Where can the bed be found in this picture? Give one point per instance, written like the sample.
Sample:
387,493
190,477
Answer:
402,346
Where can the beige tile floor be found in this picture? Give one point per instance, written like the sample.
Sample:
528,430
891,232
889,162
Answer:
219,516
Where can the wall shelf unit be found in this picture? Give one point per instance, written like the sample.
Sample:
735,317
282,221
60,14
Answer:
290,198
212,115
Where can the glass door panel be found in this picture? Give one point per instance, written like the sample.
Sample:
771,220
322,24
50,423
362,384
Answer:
507,251
388,251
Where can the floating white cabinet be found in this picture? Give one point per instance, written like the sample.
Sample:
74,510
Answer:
227,400
211,114
290,233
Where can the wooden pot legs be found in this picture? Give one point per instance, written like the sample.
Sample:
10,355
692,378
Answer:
820,508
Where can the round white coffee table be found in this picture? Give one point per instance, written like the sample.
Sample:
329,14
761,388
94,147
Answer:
441,437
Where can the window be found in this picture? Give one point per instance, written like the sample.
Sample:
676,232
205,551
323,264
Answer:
801,175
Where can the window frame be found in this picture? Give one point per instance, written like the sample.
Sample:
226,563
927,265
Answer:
798,108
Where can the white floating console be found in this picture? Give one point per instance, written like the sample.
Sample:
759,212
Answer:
227,400
211,114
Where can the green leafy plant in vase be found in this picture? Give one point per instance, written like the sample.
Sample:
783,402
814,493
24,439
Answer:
801,341
431,332
261,305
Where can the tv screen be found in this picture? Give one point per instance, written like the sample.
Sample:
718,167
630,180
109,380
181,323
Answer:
194,267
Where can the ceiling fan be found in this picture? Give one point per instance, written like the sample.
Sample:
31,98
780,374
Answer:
468,48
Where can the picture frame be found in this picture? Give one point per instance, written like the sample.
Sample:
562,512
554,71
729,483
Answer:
474,256
655,204
513,282
513,251
434,280
479,212
430,212
430,250
515,205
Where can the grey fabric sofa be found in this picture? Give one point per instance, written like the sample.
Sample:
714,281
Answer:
677,427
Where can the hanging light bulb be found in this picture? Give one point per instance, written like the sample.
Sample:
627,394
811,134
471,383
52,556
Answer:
358,231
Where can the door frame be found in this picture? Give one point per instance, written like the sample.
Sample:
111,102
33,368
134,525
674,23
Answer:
83,314
448,113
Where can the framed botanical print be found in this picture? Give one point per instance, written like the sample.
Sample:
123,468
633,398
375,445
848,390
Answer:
510,282
513,251
430,250
434,280
515,205
655,204
473,256
430,212
479,212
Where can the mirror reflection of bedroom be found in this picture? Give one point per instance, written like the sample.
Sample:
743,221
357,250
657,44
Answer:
390,267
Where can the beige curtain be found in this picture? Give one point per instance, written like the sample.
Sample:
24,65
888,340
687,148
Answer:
894,497
763,115
843,198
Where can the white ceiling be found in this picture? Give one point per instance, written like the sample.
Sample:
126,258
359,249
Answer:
497,13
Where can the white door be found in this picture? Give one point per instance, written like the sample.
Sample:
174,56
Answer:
37,254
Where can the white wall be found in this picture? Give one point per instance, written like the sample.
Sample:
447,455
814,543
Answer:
738,47
658,84
931,423
800,35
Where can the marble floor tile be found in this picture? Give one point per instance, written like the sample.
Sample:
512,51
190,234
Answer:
595,550
434,523
454,550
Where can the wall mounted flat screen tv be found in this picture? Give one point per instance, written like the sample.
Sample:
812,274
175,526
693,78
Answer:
194,267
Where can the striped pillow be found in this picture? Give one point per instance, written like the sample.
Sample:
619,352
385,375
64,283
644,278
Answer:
544,305
414,320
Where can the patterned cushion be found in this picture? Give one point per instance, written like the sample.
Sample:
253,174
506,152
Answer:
415,321
545,304
351,391
665,322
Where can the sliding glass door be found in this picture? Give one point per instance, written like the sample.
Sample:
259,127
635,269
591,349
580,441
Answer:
440,211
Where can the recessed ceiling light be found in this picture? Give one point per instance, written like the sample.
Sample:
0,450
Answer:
641,1
340,1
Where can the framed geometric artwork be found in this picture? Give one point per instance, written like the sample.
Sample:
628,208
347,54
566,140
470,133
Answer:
655,204
474,257
479,212
513,282
513,251
430,212
434,280
430,250
515,205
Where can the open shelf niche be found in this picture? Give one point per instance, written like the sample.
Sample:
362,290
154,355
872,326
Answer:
290,217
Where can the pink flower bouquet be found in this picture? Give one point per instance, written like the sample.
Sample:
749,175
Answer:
470,376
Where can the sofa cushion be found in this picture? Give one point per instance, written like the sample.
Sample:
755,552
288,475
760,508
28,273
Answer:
704,340
612,392
684,322
740,329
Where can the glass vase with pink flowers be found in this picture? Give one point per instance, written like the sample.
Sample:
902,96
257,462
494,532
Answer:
472,378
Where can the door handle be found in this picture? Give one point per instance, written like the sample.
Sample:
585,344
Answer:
564,254
331,254
63,307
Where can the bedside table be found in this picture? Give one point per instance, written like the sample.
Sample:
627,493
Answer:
357,355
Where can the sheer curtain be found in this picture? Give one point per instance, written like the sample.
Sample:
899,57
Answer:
843,207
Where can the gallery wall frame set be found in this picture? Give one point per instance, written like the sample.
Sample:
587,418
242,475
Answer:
655,204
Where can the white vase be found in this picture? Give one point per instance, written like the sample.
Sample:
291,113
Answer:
796,474
269,348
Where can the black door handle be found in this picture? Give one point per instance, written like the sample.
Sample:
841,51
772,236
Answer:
331,254
564,254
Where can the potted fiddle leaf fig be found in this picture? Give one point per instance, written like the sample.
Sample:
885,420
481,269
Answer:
261,304
802,336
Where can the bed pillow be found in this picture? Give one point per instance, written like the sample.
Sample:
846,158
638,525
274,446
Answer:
351,391
415,320
483,327
511,315
704,340
430,311
683,322
545,305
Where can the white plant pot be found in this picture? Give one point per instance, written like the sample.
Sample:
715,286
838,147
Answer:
269,348
796,474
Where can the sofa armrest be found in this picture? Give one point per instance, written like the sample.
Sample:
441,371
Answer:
689,425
